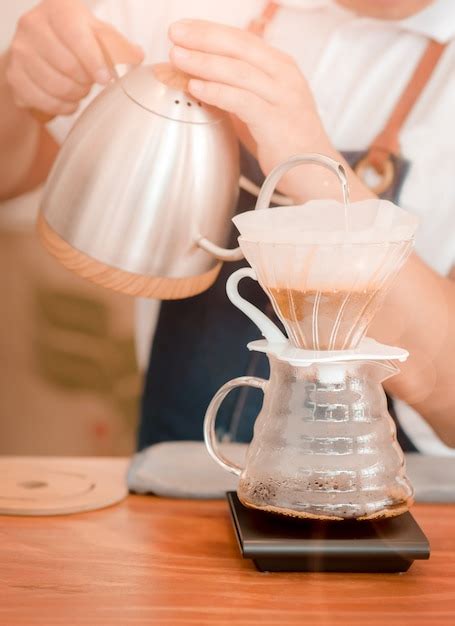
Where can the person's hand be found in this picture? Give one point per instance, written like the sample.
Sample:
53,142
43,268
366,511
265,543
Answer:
55,56
262,86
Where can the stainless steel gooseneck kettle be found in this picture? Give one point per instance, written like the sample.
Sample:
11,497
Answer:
142,193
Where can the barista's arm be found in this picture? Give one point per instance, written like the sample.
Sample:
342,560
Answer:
26,148
419,315
263,87
53,61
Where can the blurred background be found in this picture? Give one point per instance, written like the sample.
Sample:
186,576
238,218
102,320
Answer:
69,383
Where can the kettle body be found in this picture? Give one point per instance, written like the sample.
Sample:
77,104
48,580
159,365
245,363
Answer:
147,176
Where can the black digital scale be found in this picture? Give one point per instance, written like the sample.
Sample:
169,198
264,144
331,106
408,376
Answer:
279,544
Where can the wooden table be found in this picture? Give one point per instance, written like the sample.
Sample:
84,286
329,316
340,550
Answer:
156,561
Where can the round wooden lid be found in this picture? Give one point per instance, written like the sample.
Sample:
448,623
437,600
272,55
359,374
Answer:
56,486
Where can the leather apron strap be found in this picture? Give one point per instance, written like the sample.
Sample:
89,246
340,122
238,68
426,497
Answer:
387,142
260,23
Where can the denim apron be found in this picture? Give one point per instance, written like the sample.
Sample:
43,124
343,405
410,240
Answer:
200,344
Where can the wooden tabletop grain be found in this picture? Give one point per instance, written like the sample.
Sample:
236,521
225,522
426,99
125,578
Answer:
153,561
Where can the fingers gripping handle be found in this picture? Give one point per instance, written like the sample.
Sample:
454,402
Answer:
268,329
116,49
210,439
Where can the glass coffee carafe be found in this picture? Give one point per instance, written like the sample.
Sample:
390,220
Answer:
324,444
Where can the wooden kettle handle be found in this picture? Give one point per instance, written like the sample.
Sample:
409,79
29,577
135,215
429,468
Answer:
116,50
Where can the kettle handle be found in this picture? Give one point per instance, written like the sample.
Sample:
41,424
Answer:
210,439
267,190
115,47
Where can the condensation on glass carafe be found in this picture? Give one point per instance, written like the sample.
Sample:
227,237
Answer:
325,445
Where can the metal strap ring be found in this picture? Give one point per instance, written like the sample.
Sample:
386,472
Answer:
387,174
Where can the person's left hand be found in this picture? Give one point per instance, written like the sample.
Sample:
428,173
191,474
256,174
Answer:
237,71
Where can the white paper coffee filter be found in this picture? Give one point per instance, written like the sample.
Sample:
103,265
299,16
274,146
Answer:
336,267
324,222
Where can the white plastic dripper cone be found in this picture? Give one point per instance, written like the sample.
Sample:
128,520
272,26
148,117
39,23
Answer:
327,281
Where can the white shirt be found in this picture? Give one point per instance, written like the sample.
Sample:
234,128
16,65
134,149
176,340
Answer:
357,68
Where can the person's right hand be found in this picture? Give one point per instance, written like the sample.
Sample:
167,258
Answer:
55,56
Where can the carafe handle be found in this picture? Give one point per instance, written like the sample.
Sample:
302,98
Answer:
268,329
266,193
210,439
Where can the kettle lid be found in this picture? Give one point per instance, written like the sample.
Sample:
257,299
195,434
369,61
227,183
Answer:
162,89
